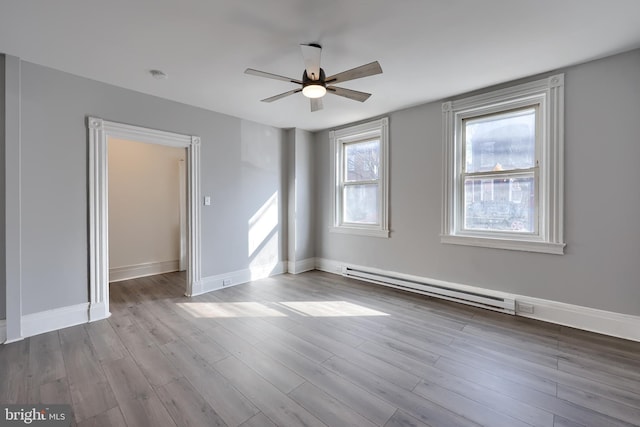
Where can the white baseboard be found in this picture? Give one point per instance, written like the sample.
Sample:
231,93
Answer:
98,311
328,265
297,267
589,319
51,320
212,283
127,272
3,330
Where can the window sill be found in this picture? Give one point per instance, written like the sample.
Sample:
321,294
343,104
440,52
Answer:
509,244
360,231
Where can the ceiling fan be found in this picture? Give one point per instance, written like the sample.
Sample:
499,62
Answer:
314,83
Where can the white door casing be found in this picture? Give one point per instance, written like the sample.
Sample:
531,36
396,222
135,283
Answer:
99,133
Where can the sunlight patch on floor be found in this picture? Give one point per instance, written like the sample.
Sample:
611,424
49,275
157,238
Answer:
256,309
229,309
331,309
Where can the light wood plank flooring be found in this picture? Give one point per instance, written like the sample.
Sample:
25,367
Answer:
318,349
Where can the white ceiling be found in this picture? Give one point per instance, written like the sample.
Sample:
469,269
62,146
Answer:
428,49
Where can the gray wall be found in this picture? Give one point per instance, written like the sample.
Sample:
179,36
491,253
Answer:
291,193
241,169
305,214
301,180
3,277
600,268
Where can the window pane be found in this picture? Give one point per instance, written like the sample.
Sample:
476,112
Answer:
500,141
361,204
500,204
362,160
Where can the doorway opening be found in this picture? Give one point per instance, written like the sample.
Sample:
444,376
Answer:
147,209
100,132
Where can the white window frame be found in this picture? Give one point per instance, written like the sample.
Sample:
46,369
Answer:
547,95
339,139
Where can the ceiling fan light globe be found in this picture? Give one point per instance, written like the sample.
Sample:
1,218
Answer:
314,91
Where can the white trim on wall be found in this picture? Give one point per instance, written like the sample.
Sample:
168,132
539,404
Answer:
127,272
52,320
297,267
13,198
329,266
589,319
3,330
225,280
99,133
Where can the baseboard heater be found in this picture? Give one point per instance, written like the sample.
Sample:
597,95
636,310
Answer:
490,302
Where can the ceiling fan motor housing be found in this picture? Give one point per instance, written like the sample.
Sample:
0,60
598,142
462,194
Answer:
307,81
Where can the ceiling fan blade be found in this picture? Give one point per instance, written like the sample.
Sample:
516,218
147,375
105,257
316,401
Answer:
349,93
282,95
311,54
316,104
356,73
271,76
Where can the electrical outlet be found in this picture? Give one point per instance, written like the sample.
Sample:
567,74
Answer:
226,282
523,307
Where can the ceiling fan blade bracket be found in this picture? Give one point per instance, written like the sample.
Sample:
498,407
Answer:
306,80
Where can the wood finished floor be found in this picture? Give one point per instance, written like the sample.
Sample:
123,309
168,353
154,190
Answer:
318,349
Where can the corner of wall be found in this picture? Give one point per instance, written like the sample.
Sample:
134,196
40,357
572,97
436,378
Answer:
301,266
3,287
3,331
11,200
289,180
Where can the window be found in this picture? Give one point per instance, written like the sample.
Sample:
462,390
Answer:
360,188
503,161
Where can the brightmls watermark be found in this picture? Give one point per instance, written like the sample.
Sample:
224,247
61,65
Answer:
35,415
